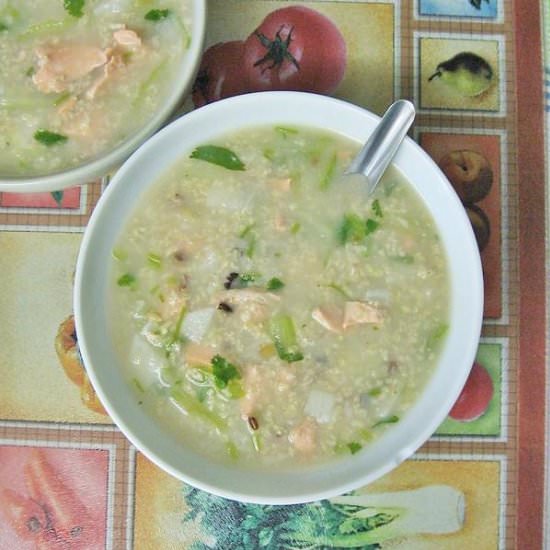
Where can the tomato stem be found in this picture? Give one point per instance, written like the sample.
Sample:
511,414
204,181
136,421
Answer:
277,49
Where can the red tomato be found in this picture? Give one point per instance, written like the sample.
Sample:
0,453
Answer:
475,396
220,73
295,48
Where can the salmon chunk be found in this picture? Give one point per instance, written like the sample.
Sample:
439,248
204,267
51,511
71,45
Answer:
59,66
304,436
356,313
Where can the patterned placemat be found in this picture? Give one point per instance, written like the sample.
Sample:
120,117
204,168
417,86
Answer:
70,479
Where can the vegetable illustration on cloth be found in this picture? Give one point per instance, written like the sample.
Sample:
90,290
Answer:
475,397
358,520
467,73
293,48
50,515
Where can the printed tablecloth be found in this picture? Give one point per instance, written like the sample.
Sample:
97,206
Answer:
70,479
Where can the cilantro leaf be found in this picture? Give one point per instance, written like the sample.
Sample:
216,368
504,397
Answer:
371,226
126,280
157,15
49,138
74,7
220,156
274,284
354,447
223,371
351,229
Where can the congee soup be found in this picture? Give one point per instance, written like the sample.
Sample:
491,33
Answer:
78,77
266,310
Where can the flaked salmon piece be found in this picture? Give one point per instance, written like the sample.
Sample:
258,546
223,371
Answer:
127,38
280,184
329,318
59,66
304,436
115,61
356,313
198,354
279,222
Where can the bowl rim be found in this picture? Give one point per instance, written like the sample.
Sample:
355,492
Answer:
110,158
209,482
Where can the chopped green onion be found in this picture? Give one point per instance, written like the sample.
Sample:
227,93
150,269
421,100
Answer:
246,230
218,155
46,28
74,7
285,130
126,280
232,451
193,407
154,260
138,385
340,290
436,336
61,98
283,335
269,153
388,420
256,441
235,389
249,277
179,322
49,138
295,227
375,392
329,172
274,284
119,254
157,15
405,259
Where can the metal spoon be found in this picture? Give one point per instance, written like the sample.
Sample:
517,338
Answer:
373,159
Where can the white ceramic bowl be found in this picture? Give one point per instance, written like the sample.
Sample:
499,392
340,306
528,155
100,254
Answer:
91,290
113,157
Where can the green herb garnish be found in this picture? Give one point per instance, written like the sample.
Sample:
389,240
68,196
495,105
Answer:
157,15
3,26
405,259
138,385
352,229
375,392
154,260
249,277
126,280
436,336
295,227
329,172
223,371
388,420
371,226
220,156
74,7
193,407
285,130
340,290
377,209
49,138
274,284
354,447
246,230
283,335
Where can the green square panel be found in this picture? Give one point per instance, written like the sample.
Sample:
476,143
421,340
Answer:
489,355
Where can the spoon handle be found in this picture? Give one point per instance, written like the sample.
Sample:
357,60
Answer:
377,153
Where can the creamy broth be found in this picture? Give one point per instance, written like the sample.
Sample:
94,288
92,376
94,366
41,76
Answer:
77,78
267,311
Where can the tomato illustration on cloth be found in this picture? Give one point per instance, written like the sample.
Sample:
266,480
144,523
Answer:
293,48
